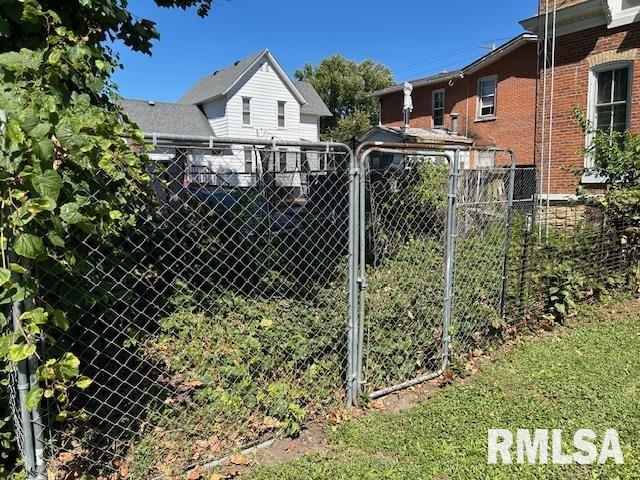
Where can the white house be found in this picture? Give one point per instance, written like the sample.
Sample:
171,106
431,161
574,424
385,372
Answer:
253,98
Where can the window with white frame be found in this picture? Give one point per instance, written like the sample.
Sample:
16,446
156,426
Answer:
281,114
610,109
609,99
623,12
246,111
487,93
282,163
248,160
438,108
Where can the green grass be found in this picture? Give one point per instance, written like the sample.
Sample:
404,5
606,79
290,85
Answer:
585,378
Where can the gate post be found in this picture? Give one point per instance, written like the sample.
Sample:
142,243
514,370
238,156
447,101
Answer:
451,235
354,250
507,239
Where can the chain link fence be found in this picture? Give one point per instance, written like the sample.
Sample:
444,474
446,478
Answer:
263,286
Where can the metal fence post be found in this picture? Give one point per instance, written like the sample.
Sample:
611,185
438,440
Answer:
352,332
451,234
23,390
507,239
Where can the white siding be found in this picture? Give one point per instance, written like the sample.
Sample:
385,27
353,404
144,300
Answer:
266,89
309,128
215,111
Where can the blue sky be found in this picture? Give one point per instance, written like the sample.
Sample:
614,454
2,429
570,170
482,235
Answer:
414,38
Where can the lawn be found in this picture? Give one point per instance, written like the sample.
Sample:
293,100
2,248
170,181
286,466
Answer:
585,376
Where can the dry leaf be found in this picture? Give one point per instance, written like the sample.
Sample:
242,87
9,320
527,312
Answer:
195,474
66,457
239,459
270,422
377,404
214,444
124,471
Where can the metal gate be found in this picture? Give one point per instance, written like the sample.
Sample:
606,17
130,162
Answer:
427,219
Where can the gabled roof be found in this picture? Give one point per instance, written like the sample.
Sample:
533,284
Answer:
220,82
168,118
314,105
482,62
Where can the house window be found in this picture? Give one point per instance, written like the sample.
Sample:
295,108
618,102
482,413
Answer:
283,161
281,114
248,161
438,108
486,159
626,4
611,107
487,90
246,111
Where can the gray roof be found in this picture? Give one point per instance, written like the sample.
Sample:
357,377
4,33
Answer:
315,105
218,82
168,118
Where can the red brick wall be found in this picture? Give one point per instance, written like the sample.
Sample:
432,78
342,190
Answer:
515,109
571,90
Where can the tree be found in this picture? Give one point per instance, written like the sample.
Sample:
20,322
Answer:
67,158
345,87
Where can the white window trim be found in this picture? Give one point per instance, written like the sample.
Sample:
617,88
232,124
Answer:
243,112
284,114
591,108
479,116
433,107
620,16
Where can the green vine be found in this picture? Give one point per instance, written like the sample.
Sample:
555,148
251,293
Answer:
67,167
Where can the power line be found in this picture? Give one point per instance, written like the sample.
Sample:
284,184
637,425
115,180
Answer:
445,55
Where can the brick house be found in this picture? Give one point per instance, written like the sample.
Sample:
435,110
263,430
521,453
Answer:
493,100
597,47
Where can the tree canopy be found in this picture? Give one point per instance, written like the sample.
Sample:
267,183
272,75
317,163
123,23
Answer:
345,86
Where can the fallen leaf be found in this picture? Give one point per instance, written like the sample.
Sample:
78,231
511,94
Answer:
239,459
66,457
195,474
214,444
377,404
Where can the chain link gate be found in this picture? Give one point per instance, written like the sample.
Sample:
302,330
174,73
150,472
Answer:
434,245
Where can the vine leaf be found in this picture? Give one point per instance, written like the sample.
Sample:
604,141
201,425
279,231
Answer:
20,351
28,245
48,184
5,275
32,400
69,212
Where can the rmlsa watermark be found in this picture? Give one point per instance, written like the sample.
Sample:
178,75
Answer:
545,446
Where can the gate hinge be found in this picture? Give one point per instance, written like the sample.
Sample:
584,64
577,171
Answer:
354,172
362,283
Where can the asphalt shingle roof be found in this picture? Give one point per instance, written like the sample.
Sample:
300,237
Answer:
315,105
167,118
217,83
